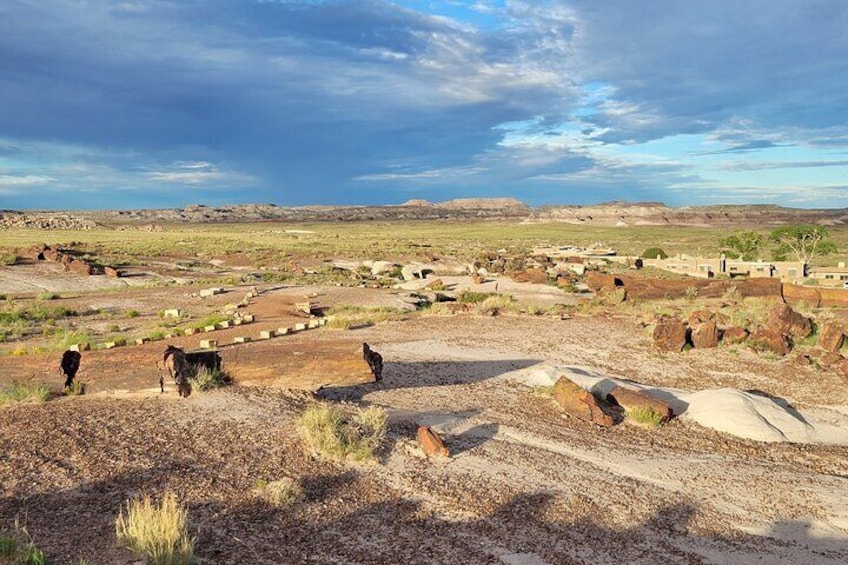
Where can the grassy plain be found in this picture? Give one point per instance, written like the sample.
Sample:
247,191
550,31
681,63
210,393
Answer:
269,243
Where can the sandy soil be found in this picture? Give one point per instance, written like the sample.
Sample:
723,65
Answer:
525,484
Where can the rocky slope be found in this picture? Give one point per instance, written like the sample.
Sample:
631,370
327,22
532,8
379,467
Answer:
608,214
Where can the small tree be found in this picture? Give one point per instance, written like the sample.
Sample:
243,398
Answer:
744,245
804,242
654,253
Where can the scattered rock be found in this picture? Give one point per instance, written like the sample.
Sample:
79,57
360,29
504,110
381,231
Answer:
112,272
783,319
705,335
734,335
701,316
431,443
630,399
535,276
670,334
599,281
766,339
832,336
580,403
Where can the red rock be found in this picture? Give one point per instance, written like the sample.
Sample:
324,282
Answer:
112,272
700,316
766,339
435,283
842,368
51,254
765,287
536,276
580,403
832,336
734,335
705,335
829,359
599,281
80,267
432,443
630,399
670,334
783,319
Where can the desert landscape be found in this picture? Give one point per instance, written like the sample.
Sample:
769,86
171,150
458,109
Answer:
527,411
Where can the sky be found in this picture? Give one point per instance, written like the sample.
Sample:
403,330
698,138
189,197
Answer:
166,103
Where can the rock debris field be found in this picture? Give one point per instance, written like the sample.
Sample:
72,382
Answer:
525,483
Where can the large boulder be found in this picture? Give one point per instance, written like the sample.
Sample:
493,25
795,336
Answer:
782,318
80,267
767,339
635,399
832,336
580,403
670,334
705,335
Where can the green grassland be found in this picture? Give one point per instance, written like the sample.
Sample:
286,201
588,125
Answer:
277,243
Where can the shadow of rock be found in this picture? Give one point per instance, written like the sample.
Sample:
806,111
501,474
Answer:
428,374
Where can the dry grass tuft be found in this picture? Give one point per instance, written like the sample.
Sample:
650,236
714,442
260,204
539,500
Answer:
158,532
282,492
335,435
24,393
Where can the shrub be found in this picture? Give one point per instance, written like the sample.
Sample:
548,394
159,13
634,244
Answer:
329,432
17,547
77,388
282,492
644,415
495,304
158,532
209,379
24,393
469,297
654,253
132,313
47,296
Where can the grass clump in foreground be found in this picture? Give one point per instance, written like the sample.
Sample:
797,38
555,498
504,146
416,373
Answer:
645,416
209,379
17,547
282,492
24,393
335,435
158,532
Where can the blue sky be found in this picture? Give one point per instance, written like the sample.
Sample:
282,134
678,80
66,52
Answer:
163,103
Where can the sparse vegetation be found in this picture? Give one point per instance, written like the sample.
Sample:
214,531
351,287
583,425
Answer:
158,532
76,389
470,297
132,313
644,415
345,316
333,434
281,492
209,379
47,296
18,548
16,392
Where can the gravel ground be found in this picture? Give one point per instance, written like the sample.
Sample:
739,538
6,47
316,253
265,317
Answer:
524,485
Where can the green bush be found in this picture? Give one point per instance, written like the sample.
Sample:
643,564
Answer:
654,253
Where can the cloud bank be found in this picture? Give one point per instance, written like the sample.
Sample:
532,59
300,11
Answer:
165,102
